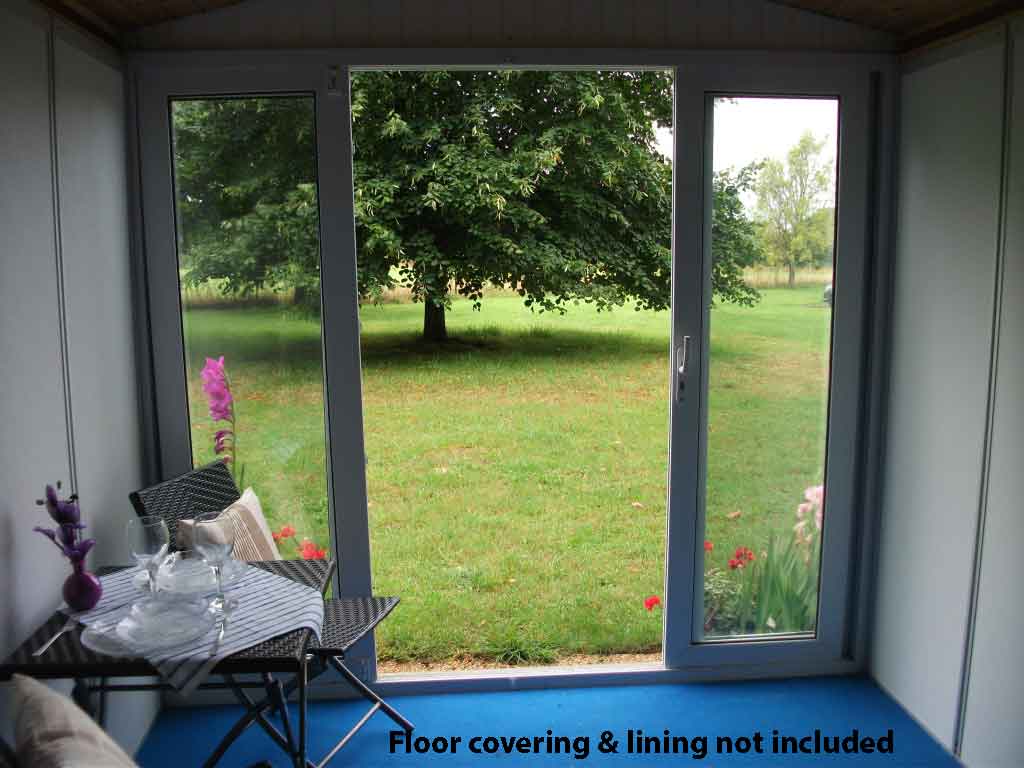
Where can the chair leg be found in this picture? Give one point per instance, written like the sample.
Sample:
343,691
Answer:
378,705
368,693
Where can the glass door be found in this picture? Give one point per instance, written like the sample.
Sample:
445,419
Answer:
250,276
247,212
774,191
768,388
521,459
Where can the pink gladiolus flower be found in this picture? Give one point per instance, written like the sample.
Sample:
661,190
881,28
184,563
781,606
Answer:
815,494
213,372
217,388
221,439
218,392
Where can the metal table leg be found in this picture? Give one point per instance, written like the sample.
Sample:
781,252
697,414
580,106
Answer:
300,758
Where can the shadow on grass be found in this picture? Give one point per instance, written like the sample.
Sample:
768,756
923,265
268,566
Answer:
495,345
286,346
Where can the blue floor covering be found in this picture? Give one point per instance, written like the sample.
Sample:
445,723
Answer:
833,706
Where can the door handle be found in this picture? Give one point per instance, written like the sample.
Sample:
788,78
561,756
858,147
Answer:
682,367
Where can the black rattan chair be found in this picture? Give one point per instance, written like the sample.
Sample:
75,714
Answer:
209,488
346,621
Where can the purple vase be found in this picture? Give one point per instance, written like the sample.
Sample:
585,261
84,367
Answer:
82,590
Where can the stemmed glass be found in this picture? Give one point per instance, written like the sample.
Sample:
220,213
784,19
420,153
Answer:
148,540
213,537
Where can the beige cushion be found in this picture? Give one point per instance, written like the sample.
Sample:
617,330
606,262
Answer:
52,732
253,539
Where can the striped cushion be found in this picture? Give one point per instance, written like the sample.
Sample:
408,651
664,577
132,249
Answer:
253,539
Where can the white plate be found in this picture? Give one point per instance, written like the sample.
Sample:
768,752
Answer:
188,577
154,625
100,638
150,626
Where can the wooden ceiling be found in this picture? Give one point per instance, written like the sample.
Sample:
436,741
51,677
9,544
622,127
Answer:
913,22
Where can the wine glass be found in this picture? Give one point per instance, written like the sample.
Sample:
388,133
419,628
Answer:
148,541
213,538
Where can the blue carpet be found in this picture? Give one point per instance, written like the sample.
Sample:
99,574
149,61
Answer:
834,706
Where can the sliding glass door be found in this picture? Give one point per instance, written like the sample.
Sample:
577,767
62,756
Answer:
505,491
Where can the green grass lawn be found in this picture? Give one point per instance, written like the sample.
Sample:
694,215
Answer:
517,475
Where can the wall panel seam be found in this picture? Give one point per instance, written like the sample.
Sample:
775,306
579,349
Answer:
993,370
58,244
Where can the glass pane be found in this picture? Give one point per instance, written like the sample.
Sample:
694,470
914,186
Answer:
514,234
773,232
248,250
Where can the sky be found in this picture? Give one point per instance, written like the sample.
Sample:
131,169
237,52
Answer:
750,129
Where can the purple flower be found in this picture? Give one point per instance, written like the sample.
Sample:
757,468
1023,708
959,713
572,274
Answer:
217,389
68,518
67,512
221,402
221,439
51,502
81,549
68,532
220,407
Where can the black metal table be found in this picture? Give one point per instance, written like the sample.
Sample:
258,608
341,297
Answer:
286,655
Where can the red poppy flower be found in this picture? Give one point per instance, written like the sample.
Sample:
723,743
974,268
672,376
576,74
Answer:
287,532
733,563
276,535
740,552
652,601
708,546
309,551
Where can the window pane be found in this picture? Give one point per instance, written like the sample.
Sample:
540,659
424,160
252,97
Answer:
773,217
247,222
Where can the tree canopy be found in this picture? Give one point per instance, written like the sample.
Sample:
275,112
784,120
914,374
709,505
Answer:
794,206
546,182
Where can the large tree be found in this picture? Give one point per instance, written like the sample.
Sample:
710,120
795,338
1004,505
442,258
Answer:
548,182
793,200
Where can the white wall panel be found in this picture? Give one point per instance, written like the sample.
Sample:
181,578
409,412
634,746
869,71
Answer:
63,221
91,157
33,433
98,296
947,219
993,737
518,24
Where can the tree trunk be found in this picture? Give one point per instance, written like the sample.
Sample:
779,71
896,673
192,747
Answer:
433,321
299,296
792,275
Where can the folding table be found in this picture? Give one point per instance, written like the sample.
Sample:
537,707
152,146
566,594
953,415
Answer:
295,655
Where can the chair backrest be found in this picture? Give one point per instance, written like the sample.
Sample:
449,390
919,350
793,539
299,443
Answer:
205,489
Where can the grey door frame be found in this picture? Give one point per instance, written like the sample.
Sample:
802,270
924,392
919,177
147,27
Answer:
746,75
159,76
346,478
